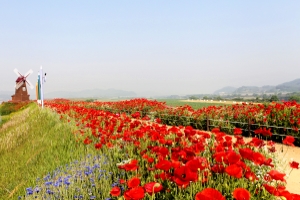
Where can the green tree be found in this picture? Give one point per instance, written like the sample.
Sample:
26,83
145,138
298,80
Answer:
295,98
274,98
193,98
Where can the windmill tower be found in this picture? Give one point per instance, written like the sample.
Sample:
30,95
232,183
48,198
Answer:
21,93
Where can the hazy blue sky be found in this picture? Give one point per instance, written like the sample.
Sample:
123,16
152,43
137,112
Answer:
154,47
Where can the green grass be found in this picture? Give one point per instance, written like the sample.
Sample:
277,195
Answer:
195,105
32,143
3,119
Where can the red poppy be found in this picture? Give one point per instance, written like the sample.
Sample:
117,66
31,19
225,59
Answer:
250,176
122,181
163,165
241,194
264,131
132,166
258,158
234,170
183,176
276,175
150,160
246,153
237,131
215,130
209,194
257,142
98,146
115,191
87,140
294,165
135,193
289,140
197,163
136,115
272,190
218,168
233,157
163,176
153,187
133,182
220,156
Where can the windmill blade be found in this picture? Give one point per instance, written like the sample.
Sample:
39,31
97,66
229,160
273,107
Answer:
19,84
28,73
17,72
29,83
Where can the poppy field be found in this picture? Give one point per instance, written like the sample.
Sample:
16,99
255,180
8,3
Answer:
151,160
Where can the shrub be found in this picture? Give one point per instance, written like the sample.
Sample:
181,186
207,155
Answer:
10,107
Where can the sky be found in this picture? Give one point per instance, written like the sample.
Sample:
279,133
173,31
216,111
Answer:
150,47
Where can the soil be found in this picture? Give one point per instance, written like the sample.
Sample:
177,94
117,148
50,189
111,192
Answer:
285,155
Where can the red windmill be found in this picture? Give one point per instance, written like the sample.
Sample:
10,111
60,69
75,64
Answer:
21,93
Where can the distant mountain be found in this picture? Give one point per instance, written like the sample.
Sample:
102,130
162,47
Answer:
255,89
292,86
96,93
226,90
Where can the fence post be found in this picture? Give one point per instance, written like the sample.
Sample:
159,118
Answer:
207,124
249,127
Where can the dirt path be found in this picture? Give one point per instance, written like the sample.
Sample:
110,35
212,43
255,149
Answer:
286,156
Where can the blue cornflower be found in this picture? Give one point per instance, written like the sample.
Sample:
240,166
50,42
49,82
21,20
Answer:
122,188
92,197
29,191
88,171
58,182
48,183
49,191
37,189
96,166
46,178
114,184
66,181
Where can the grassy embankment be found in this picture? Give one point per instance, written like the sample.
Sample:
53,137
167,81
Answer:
33,142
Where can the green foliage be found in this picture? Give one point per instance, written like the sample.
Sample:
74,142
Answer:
217,98
193,98
90,100
295,97
274,98
10,107
4,119
238,99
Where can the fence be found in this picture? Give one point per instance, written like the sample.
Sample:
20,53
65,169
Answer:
248,128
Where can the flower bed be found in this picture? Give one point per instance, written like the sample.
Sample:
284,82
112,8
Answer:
155,161
281,118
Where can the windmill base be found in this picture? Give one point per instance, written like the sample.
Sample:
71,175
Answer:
21,94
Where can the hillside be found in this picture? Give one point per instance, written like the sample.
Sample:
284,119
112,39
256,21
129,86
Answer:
292,86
